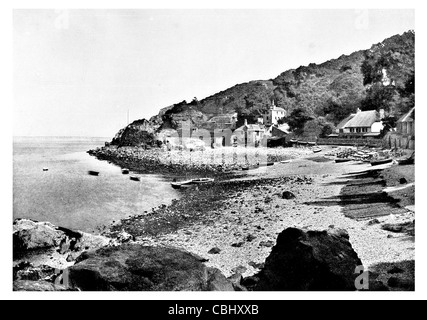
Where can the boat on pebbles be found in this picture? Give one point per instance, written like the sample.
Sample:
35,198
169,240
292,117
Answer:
188,183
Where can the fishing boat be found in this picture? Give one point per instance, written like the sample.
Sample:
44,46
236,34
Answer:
339,160
45,169
381,161
285,161
93,173
125,171
316,150
135,178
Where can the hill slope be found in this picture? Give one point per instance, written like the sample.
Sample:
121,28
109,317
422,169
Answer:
331,90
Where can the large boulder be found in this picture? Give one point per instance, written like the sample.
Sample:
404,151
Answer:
310,260
29,235
133,267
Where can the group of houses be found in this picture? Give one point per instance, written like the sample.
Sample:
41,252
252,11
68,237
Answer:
358,127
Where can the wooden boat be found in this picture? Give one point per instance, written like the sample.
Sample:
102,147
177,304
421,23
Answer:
125,171
250,168
316,150
285,161
189,183
310,143
45,169
201,180
181,185
135,178
339,160
380,161
93,173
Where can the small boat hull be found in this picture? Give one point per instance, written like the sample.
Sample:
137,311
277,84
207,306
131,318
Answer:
125,171
317,150
134,178
342,160
93,173
45,169
403,162
379,162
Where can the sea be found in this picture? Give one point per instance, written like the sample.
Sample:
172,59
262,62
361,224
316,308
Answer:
67,196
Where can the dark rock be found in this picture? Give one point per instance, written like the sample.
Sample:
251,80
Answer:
372,222
395,270
250,237
214,250
267,244
239,269
237,244
28,285
401,284
235,278
256,265
403,181
132,267
312,260
217,281
26,271
250,282
288,195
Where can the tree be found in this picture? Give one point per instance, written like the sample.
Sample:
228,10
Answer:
297,119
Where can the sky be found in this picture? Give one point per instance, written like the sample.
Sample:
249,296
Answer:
79,72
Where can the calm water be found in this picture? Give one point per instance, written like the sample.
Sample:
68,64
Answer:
67,196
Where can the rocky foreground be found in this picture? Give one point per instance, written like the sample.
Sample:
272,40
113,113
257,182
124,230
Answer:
300,260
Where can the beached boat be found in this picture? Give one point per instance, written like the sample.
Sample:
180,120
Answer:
201,180
316,150
135,178
125,171
381,161
45,169
408,160
339,160
189,183
285,161
181,185
93,173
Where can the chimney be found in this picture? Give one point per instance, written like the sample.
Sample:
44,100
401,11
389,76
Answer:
382,114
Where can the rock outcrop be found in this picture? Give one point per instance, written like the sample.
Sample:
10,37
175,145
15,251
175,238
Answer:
312,260
30,235
133,267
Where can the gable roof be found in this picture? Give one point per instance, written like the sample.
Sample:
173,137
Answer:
363,119
407,117
343,122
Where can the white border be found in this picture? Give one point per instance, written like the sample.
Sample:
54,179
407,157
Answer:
7,128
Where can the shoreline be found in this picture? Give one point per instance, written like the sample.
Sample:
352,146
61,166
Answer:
241,215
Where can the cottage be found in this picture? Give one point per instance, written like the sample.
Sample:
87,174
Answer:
404,136
362,124
249,134
273,114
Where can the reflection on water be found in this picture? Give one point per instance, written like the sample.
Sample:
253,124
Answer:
67,196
